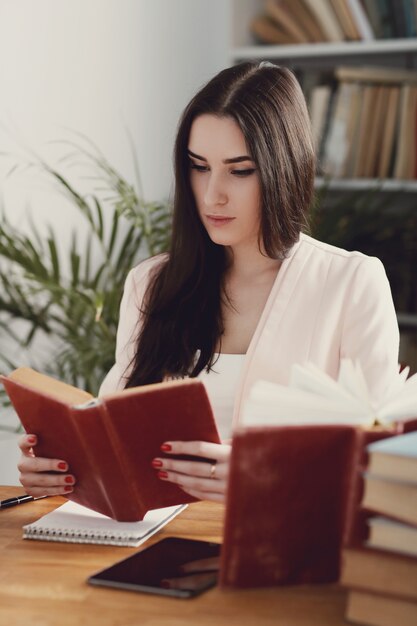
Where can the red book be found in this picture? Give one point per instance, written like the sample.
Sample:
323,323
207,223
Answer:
293,502
109,443
287,504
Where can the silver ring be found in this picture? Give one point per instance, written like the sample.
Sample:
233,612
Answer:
212,470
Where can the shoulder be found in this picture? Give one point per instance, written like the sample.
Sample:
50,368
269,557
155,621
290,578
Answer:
338,259
145,269
139,276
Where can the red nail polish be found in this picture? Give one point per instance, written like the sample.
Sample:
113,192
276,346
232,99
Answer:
32,439
67,488
162,474
157,463
69,479
62,465
166,447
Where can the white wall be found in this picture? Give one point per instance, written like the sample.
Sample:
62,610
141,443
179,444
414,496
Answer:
98,66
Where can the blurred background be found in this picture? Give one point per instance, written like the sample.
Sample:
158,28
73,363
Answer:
91,92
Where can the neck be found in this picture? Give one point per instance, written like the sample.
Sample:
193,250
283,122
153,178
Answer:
247,262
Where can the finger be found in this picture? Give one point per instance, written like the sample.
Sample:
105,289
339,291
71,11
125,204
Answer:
40,464
56,490
206,485
26,442
192,468
205,449
29,480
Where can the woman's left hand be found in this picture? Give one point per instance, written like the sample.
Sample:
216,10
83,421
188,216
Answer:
206,481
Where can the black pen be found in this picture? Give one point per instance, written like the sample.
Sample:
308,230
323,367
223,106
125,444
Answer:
5,504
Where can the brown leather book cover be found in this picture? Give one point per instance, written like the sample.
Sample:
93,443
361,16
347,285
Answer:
290,494
109,443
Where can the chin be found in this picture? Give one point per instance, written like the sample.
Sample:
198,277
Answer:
222,240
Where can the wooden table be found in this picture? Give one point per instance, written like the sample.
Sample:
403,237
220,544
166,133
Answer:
44,583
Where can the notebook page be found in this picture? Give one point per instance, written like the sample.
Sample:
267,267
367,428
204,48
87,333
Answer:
74,523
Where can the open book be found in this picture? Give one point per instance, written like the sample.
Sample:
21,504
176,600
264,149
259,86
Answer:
109,442
314,397
296,461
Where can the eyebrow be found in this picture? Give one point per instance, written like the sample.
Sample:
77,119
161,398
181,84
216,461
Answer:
237,159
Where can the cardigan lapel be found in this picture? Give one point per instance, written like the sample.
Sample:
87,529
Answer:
276,304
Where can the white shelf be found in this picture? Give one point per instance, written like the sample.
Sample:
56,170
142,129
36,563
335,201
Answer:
326,50
367,184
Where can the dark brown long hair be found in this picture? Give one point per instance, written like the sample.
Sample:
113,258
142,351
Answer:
182,321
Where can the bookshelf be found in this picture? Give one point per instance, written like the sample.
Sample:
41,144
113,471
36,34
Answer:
395,195
401,52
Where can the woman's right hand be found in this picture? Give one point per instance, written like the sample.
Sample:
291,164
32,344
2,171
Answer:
34,472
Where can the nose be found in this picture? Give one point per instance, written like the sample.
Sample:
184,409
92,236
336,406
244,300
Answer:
215,192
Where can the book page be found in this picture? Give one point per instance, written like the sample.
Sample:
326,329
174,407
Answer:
49,386
313,397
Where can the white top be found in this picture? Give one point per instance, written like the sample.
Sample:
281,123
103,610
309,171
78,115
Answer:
221,384
326,304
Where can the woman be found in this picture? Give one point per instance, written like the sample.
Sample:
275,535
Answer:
242,294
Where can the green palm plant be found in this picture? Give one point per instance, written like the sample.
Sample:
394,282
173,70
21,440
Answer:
78,309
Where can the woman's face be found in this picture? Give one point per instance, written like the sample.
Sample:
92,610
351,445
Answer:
224,181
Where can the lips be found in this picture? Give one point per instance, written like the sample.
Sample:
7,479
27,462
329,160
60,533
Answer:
219,220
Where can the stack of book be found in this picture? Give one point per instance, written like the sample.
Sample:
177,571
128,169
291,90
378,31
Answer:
293,480
312,21
364,123
381,573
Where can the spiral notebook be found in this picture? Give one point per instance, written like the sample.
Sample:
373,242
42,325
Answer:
73,523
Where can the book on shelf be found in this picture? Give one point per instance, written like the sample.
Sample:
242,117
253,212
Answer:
267,31
387,534
279,11
345,17
377,610
109,442
404,167
338,20
370,125
399,19
389,135
365,123
319,105
296,458
366,74
380,571
376,132
361,18
385,17
338,143
374,15
306,20
73,523
326,17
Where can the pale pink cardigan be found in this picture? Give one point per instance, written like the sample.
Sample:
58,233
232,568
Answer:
326,304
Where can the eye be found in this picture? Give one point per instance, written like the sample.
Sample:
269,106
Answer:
243,173
198,168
